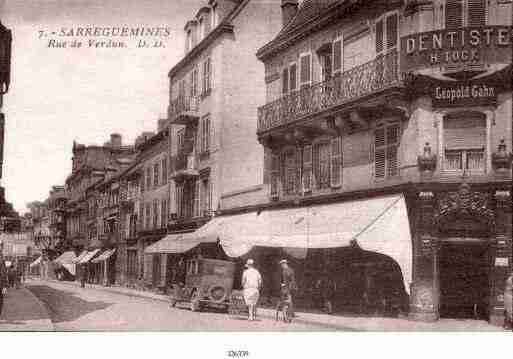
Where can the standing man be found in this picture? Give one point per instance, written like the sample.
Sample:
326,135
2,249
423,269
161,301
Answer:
4,282
251,283
288,280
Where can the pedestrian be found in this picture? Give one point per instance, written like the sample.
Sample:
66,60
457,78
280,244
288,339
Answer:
251,284
288,279
328,289
4,282
83,277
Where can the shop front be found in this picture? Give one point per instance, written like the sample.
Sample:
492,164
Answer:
361,250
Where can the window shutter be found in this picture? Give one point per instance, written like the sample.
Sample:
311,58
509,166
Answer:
307,168
392,31
285,81
337,56
379,36
392,163
476,12
293,77
379,152
465,133
275,174
336,162
164,171
290,171
209,74
305,69
453,14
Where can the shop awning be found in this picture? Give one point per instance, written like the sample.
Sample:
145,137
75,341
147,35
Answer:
81,255
104,256
378,225
175,243
67,260
88,256
36,262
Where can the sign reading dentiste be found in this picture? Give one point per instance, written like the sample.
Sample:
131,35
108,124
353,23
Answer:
456,48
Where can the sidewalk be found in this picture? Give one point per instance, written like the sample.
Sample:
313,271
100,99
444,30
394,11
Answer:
334,322
24,312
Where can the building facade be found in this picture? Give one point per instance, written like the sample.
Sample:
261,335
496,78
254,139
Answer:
214,93
367,99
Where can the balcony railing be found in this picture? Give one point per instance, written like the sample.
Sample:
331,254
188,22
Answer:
185,165
371,77
183,109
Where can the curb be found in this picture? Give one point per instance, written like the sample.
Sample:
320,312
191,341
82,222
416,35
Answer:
42,307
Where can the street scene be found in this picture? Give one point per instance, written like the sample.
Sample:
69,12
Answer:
249,165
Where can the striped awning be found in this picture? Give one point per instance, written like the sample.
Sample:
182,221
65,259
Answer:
88,256
104,256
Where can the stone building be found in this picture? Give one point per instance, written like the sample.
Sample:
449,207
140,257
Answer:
90,166
396,110
215,90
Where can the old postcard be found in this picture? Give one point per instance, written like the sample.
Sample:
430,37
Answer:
256,166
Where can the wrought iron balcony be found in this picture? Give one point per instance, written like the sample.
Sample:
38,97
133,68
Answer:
184,110
361,81
185,166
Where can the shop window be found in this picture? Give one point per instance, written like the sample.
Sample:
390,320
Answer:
386,146
463,13
464,140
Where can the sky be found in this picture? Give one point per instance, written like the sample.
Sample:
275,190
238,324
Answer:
59,95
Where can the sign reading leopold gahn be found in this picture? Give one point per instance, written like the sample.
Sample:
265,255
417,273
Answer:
456,48
463,94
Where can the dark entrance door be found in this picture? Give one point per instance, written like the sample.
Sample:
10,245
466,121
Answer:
156,270
464,267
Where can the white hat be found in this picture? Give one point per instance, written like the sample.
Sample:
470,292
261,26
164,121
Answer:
250,262
283,261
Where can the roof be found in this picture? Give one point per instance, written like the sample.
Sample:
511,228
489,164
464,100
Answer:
312,14
224,26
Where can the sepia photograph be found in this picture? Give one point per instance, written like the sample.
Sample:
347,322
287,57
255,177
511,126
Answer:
253,166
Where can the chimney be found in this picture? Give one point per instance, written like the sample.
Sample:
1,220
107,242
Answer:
115,140
288,10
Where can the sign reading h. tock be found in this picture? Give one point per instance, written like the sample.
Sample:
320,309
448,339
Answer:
456,48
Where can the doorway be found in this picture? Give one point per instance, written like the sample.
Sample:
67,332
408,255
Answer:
464,271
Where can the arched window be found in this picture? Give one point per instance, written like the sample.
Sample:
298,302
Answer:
464,139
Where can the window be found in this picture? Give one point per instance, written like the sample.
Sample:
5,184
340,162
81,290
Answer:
461,13
180,210
326,65
207,77
336,162
205,197
163,212
386,32
305,70
321,160
194,82
189,40
164,171
205,135
131,263
285,81
181,89
196,199
386,145
289,78
156,213
337,56
307,168
156,174
275,175
464,141
180,139
148,216
290,171
201,29
148,178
